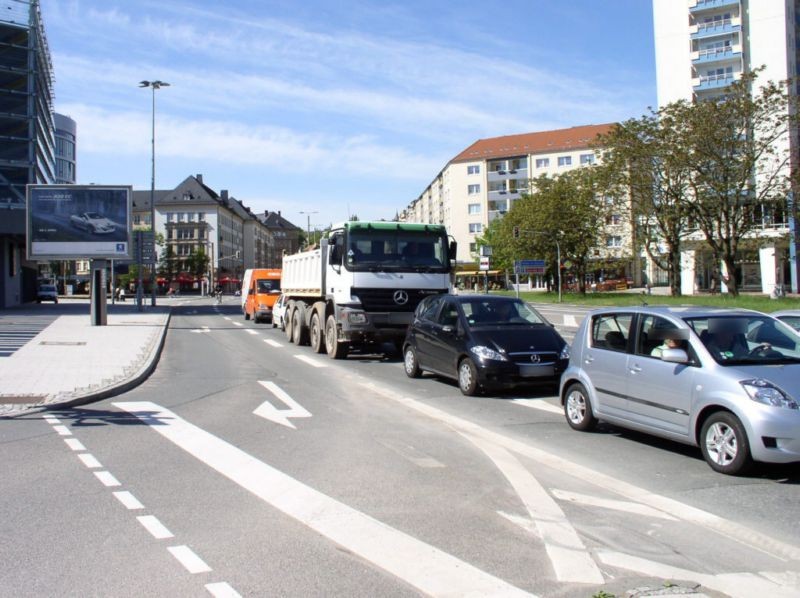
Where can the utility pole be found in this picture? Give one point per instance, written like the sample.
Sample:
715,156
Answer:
308,226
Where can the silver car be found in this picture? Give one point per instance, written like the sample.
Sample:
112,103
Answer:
725,380
789,316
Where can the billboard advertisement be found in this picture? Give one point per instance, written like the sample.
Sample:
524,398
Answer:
70,222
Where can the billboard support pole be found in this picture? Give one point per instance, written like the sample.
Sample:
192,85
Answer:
99,309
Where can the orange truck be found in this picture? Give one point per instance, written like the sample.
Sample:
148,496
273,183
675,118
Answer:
261,288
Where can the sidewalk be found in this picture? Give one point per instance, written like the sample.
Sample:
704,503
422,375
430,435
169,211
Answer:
72,362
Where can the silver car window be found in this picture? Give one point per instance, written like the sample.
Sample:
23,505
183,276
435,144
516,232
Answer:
611,331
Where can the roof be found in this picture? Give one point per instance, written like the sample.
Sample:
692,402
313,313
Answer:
533,143
275,220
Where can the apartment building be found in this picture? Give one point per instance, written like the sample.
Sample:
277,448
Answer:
26,137
482,182
702,47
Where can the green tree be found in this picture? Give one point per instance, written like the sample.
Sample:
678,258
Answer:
644,168
167,265
738,151
197,262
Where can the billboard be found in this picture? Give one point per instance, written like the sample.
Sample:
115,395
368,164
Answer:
73,222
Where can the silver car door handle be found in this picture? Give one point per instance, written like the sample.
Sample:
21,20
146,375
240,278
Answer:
635,369
588,359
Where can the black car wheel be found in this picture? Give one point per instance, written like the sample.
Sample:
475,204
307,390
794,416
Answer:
468,377
578,409
410,363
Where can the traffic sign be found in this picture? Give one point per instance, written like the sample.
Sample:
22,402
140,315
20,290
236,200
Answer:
484,265
529,267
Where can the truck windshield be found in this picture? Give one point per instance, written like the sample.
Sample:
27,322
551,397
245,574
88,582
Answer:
396,250
269,286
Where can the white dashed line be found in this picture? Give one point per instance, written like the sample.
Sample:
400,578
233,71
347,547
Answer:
540,404
273,343
107,479
155,527
62,430
89,461
75,444
187,558
129,500
226,318
51,419
311,361
251,331
238,324
222,590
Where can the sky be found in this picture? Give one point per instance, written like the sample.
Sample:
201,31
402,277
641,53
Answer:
327,109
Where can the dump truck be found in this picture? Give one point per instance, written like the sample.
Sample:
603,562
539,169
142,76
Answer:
360,288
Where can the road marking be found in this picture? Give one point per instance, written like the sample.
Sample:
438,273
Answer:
222,590
251,331
311,361
62,430
735,585
605,503
89,460
51,419
201,329
75,444
157,529
224,317
539,404
280,416
423,566
107,479
273,343
128,500
568,555
569,320
238,324
187,558
731,529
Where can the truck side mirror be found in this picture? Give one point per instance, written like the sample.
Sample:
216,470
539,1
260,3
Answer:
335,254
452,250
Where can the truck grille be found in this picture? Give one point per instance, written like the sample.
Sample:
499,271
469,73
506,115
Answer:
374,300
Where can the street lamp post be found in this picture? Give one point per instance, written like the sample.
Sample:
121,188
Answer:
153,85
308,226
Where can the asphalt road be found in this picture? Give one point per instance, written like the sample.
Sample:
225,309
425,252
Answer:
246,465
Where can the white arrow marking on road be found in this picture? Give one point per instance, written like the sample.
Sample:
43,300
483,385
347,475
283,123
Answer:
280,416
421,565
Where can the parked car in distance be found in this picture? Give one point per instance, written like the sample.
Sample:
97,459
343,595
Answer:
483,341
278,312
725,380
92,222
47,292
788,316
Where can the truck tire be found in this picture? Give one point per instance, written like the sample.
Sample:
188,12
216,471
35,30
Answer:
246,314
299,325
287,321
316,333
333,347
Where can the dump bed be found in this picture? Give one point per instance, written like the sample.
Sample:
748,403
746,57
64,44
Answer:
302,274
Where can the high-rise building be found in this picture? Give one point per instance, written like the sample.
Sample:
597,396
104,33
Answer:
66,149
702,47
26,137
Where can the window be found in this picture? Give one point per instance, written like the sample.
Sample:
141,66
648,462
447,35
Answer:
587,158
473,189
473,247
475,227
542,162
614,241
654,335
565,160
611,331
474,169
519,164
170,216
474,208
613,219
201,217
497,186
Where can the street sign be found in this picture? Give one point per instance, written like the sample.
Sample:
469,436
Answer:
144,246
484,265
529,267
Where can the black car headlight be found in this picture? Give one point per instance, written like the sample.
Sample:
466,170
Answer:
484,352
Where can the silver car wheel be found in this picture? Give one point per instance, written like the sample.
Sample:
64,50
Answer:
576,407
721,443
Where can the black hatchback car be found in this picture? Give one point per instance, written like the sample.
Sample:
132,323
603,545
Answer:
483,341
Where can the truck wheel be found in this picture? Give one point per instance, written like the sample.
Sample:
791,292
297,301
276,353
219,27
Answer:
317,336
246,314
299,326
333,347
287,322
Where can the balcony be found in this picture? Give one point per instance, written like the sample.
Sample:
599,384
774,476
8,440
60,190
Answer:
702,6
717,55
495,214
716,28
714,82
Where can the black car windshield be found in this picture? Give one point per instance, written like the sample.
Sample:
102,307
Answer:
491,312
398,250
747,339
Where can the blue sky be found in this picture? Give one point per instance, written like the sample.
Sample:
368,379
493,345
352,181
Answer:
340,107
